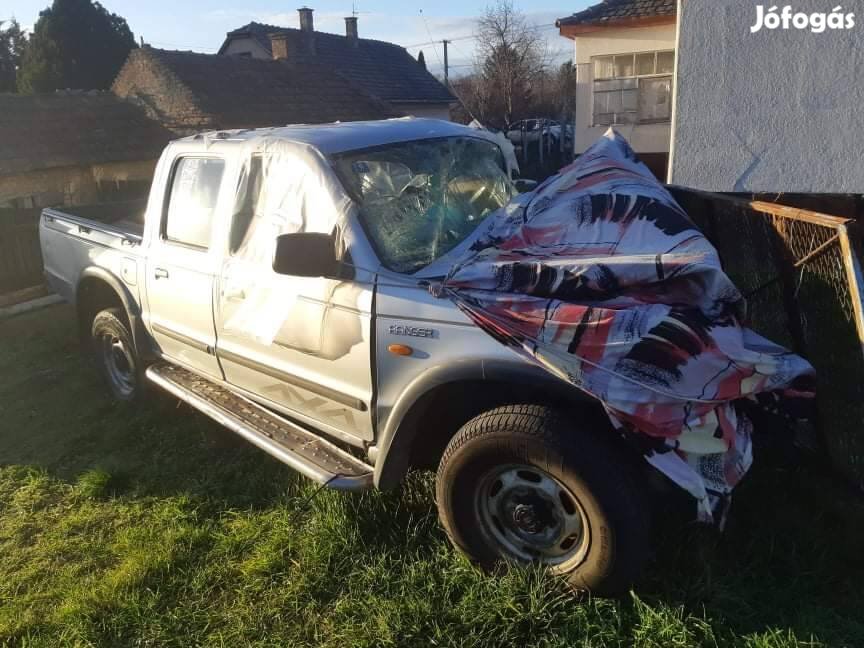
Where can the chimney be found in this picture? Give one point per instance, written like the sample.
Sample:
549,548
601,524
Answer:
306,23
307,29
279,45
351,29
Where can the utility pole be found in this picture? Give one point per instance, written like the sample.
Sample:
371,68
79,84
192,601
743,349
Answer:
446,64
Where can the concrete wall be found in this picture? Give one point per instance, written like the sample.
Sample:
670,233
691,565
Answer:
76,185
771,111
432,111
243,46
644,138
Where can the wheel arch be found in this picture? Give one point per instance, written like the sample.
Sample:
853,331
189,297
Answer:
99,289
435,405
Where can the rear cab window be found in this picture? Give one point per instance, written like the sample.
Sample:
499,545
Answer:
188,217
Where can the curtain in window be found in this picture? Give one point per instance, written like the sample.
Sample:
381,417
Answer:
655,99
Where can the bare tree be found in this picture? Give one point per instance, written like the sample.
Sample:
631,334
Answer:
511,57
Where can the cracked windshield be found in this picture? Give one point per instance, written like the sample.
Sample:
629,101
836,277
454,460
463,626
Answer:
419,200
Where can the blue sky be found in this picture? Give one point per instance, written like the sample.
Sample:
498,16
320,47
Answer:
200,25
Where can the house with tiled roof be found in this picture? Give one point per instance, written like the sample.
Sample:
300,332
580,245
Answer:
189,92
624,54
73,148
384,70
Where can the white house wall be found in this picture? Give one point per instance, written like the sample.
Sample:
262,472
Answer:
645,138
251,46
430,111
777,110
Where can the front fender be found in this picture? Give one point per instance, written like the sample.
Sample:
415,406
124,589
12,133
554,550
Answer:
399,427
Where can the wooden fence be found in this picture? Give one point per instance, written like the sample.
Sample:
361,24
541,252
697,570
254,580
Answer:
20,254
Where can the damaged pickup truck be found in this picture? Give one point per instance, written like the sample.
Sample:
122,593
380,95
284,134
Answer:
359,299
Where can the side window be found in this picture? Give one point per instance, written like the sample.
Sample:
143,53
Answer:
249,193
194,190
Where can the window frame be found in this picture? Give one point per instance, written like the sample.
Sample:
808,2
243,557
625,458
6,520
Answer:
166,201
242,183
637,89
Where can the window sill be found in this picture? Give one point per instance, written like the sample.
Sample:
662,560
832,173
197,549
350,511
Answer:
639,123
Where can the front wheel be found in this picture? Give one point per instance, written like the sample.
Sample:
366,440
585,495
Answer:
524,484
116,358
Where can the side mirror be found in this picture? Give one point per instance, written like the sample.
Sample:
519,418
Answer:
306,254
524,185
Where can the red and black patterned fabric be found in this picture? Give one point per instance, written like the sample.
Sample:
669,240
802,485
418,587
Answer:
602,279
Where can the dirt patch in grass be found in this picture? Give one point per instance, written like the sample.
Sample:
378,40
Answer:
153,526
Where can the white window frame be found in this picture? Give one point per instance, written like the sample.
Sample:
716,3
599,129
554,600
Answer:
637,78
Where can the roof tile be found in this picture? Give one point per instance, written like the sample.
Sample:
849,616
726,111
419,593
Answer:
384,69
240,92
44,131
613,10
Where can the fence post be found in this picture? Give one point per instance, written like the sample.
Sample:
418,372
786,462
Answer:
854,279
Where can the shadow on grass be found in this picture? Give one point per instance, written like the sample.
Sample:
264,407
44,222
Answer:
789,560
789,557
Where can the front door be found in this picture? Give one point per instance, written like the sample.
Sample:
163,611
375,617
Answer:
301,344
181,266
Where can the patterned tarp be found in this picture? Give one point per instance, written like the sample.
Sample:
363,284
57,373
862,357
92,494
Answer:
603,280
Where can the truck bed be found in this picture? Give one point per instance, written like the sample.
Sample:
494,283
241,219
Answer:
123,217
76,238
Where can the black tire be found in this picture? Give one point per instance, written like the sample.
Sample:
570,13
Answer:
116,358
613,538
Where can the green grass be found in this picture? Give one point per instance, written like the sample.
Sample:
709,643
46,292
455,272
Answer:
154,527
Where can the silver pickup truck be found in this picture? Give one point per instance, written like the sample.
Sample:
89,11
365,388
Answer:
279,283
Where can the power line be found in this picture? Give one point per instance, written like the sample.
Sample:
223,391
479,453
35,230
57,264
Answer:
445,65
463,54
533,28
434,42
431,42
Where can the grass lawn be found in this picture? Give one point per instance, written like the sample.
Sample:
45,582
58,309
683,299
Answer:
154,527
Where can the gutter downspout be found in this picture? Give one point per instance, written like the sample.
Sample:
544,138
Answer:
675,79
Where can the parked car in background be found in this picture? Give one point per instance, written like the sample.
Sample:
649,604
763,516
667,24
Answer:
531,130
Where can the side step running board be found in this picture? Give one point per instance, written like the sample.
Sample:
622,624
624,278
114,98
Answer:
304,451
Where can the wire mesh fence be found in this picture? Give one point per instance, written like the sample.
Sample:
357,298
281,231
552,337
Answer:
800,271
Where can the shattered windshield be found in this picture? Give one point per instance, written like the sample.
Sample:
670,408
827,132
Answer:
418,200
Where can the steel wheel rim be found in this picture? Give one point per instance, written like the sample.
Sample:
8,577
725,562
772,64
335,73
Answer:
119,364
532,517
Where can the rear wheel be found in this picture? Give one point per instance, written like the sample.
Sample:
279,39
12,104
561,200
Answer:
524,484
114,350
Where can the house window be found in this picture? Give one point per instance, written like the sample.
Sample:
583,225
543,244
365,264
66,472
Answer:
633,88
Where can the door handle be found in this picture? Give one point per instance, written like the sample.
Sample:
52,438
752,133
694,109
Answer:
161,273
234,295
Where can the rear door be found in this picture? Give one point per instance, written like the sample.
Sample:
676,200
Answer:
181,265
301,344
